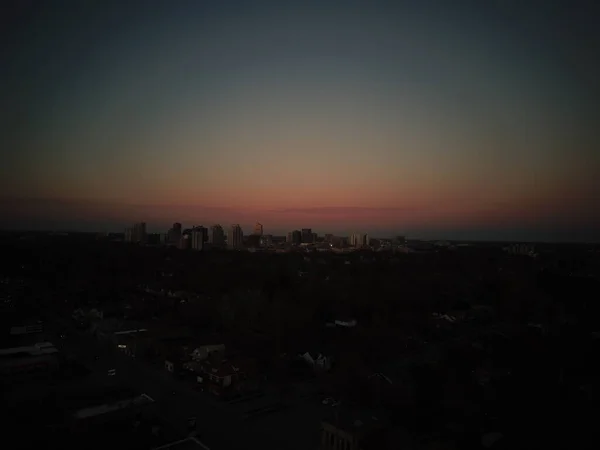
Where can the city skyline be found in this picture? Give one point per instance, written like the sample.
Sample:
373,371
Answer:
124,215
462,121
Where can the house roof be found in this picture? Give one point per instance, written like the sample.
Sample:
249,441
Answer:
188,443
226,367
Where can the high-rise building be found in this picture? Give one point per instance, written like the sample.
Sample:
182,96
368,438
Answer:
174,234
203,231
216,236
142,235
359,240
329,238
352,240
307,236
235,237
294,237
198,238
184,241
137,233
258,229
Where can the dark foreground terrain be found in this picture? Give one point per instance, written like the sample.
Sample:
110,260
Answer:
462,347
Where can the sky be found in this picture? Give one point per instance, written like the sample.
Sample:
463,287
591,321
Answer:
456,120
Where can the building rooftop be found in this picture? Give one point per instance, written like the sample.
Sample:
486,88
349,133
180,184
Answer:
184,444
111,407
41,348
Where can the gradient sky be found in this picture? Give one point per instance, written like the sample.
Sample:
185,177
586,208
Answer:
462,119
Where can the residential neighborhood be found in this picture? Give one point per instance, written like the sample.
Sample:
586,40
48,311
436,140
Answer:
340,358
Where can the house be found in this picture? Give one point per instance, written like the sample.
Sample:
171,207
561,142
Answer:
203,352
194,368
346,323
173,365
318,361
223,376
452,317
176,358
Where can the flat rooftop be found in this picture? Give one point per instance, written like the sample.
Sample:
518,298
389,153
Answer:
41,348
111,407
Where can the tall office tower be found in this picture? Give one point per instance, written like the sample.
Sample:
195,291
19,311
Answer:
216,236
288,239
315,236
235,237
359,240
138,232
258,229
204,232
296,237
307,236
198,234
329,238
175,234
128,235
184,241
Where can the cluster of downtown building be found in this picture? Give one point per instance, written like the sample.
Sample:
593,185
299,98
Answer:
201,238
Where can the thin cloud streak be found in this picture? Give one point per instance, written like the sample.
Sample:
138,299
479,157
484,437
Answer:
343,210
